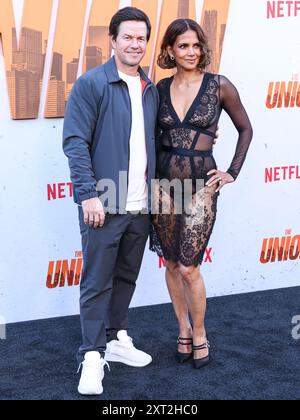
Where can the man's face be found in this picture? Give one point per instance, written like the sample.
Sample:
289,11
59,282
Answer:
131,43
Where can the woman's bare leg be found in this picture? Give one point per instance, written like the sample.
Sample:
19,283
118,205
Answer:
177,292
195,294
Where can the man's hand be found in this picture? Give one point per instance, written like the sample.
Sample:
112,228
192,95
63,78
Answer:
93,212
216,136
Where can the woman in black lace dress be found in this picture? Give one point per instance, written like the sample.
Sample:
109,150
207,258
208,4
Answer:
191,103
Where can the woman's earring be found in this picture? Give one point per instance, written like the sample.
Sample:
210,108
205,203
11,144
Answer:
172,58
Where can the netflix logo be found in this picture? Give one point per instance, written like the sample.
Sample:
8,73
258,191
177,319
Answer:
282,173
59,191
283,9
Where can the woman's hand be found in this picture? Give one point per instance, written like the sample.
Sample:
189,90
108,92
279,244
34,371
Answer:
219,177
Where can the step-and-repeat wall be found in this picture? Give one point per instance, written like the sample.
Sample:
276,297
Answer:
45,45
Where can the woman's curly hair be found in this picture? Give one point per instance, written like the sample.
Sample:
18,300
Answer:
179,27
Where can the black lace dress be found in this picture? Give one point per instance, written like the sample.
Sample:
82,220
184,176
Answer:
184,152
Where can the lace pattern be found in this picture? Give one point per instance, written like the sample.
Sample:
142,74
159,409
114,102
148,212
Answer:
184,237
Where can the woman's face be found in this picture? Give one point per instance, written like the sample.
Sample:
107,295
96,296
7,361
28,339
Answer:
186,50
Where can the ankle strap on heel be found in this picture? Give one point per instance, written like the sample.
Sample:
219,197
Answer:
181,339
202,346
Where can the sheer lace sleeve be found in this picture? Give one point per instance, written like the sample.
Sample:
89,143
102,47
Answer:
232,104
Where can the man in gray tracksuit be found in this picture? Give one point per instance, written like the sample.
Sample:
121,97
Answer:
109,130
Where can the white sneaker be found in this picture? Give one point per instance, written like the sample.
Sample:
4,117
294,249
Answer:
123,351
92,374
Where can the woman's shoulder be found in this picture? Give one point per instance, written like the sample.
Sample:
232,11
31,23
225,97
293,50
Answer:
227,87
223,80
163,83
216,76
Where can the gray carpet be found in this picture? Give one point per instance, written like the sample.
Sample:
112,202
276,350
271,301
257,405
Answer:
254,355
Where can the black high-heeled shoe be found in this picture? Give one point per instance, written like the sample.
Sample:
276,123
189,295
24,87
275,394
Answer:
204,361
184,357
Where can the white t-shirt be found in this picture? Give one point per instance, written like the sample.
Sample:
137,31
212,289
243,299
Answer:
137,197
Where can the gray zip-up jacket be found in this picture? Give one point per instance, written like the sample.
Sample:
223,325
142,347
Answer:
97,129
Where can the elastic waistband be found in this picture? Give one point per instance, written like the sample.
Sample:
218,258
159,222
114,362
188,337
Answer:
186,152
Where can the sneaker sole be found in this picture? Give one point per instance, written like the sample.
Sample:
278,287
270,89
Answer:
86,394
112,358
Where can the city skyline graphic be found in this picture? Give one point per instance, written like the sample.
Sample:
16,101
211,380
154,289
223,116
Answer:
25,62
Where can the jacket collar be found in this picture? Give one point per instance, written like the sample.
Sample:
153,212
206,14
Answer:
112,74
